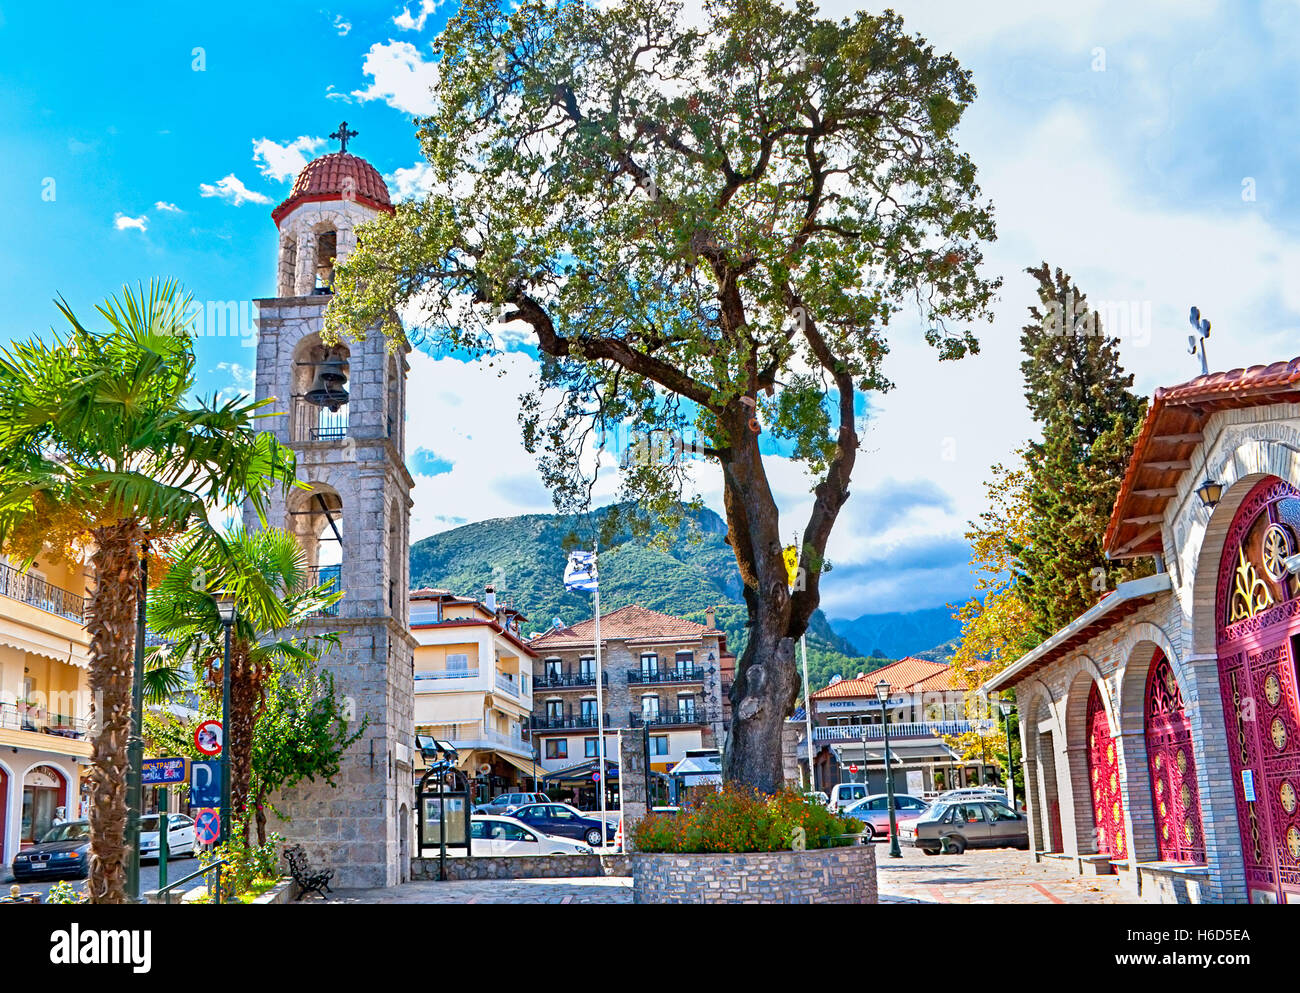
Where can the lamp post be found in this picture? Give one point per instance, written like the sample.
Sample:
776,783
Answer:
226,610
1006,706
882,694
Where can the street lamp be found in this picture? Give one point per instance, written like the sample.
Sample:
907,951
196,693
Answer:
882,694
226,611
1006,707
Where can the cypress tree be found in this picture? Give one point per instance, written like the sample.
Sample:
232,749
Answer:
1083,400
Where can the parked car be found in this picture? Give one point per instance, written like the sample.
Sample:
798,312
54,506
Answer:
561,820
972,793
843,794
501,835
873,812
817,797
954,827
62,853
507,802
180,836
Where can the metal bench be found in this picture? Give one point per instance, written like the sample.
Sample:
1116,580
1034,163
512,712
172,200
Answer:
309,880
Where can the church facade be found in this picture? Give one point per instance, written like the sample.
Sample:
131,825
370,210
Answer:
341,408
1161,728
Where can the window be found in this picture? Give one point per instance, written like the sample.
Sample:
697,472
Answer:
554,710
685,662
880,803
591,748
649,707
457,663
1001,812
557,748
649,666
659,744
558,813
478,829
967,813
686,707
587,667
589,710
553,668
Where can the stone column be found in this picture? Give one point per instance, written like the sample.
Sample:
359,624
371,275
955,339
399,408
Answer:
631,784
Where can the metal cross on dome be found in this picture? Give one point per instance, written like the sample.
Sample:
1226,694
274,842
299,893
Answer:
342,135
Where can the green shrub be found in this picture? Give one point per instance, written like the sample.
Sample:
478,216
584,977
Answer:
738,819
245,863
64,892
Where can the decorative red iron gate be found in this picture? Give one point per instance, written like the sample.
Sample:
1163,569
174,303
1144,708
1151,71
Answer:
1258,626
1173,771
1103,773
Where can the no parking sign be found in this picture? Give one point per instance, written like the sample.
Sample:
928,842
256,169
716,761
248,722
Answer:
207,826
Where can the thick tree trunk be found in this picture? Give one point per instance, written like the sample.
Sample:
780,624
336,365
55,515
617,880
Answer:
245,701
767,681
260,810
111,625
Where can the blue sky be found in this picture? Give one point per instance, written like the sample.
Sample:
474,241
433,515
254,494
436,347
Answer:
1149,148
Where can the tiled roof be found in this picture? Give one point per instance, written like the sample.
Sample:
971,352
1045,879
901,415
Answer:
1170,434
336,176
632,622
906,674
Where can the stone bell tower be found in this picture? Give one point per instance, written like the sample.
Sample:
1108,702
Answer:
342,410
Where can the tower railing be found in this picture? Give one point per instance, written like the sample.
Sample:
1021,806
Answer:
312,423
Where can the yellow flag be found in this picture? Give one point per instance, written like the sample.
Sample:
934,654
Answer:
791,556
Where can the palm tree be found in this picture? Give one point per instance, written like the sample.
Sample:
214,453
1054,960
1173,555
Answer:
102,450
266,573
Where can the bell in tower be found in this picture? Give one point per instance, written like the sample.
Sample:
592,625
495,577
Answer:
327,389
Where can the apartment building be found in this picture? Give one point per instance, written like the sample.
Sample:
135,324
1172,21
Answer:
473,686
44,698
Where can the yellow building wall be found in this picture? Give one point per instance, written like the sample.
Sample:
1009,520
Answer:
431,658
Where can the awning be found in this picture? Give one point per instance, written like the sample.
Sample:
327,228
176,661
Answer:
523,765
582,772
903,753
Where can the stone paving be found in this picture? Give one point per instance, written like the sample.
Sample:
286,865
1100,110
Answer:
1000,875
997,876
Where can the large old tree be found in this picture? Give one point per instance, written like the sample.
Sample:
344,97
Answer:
706,230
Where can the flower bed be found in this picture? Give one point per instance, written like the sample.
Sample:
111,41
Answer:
739,846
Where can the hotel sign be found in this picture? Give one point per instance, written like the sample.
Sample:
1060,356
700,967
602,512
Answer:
865,703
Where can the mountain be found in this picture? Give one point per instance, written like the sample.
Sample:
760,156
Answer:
922,633
523,557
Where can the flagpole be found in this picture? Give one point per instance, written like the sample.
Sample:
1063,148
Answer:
600,696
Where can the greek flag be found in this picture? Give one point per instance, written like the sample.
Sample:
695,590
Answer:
580,572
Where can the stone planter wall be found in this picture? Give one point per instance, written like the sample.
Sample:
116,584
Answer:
524,867
831,875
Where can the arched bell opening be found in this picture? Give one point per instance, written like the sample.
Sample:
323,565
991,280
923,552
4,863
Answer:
316,519
320,390
327,250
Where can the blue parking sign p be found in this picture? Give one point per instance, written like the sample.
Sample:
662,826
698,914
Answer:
205,784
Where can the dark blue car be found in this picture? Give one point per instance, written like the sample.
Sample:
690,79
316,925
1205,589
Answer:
62,853
566,822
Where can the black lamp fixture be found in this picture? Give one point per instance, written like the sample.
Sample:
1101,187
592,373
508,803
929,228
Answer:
225,607
882,690
1209,492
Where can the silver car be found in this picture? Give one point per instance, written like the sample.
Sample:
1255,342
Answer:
954,827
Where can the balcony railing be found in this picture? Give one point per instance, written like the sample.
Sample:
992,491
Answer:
915,729
668,718
569,723
28,589
312,423
444,674
642,677
318,575
16,717
475,735
565,680
507,686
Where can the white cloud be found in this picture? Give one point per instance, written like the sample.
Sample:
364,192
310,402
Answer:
242,376
121,221
169,208
413,182
406,22
284,162
232,191
402,78
341,26
332,94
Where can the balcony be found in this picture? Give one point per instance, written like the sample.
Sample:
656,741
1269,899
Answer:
566,680
569,723
660,677
28,589
468,737
669,718
876,732
446,674
507,686
16,717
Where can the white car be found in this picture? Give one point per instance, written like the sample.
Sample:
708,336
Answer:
180,836
496,834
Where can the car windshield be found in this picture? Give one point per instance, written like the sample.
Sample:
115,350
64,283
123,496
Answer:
74,831
935,813
149,823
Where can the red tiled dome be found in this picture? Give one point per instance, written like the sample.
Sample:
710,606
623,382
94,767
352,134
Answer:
330,177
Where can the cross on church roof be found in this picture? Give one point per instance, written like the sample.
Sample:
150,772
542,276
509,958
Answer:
342,135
